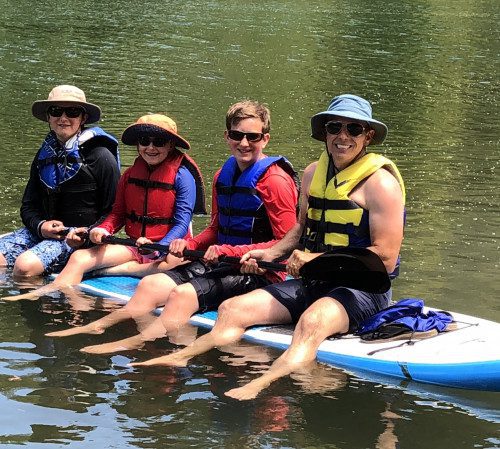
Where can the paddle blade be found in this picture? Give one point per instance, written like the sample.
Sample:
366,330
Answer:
357,268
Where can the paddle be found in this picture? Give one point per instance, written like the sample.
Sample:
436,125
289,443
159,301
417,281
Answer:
357,268
190,253
65,231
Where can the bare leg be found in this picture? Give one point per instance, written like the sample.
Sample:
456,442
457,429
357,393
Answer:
388,438
180,305
319,378
152,292
323,318
235,315
79,263
139,270
78,300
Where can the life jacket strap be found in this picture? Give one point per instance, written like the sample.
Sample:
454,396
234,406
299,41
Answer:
326,204
148,220
230,190
230,212
149,184
234,232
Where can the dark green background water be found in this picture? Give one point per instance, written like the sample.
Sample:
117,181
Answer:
430,68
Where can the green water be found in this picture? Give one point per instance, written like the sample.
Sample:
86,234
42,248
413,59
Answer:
430,68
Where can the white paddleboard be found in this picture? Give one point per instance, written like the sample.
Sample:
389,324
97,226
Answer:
468,357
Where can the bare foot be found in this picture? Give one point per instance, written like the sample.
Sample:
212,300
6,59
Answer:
246,392
20,297
33,294
88,329
167,360
127,344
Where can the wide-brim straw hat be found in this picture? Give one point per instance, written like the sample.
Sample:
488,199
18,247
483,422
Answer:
154,125
66,94
348,106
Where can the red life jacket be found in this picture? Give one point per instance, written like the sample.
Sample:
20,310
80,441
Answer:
150,195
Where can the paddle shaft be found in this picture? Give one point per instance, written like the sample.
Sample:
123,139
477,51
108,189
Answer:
190,253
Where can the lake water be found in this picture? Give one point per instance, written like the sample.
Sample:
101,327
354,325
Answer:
430,68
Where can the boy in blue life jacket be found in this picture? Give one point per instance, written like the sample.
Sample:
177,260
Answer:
72,183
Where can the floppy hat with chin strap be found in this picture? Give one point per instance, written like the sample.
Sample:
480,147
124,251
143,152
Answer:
154,125
348,106
66,94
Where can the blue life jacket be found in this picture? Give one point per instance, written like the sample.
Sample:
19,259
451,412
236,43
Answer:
240,205
58,164
406,316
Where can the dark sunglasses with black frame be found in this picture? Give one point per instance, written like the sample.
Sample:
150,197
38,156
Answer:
238,136
156,141
354,129
70,111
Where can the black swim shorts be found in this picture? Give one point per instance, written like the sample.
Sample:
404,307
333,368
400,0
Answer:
214,284
297,296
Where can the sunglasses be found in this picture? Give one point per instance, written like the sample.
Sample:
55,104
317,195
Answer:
70,111
354,129
238,136
156,141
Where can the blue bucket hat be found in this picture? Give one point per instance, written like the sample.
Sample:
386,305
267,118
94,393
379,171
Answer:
348,106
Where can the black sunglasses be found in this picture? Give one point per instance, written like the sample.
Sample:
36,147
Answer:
238,136
354,129
70,111
156,141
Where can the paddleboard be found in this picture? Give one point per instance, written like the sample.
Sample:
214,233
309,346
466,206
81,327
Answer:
467,357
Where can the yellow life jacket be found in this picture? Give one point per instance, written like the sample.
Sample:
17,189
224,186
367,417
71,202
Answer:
333,219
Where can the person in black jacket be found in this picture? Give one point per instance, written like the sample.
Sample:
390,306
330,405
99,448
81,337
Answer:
72,184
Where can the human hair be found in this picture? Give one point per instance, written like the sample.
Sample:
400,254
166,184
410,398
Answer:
248,109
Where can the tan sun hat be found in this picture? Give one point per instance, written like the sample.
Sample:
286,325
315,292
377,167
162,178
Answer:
67,94
153,125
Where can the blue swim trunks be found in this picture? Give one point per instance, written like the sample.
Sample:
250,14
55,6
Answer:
52,253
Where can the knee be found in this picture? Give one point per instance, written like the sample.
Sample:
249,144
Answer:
152,282
325,317
181,291
311,319
27,264
234,310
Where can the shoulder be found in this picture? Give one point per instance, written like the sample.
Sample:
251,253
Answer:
308,175
216,176
184,175
275,175
383,179
97,153
311,168
382,187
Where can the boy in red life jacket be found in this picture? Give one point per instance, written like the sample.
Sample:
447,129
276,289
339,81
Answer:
254,202
155,201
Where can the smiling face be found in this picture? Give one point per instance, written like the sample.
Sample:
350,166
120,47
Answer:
154,150
245,151
343,146
66,127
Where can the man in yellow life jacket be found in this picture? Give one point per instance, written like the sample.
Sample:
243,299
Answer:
351,199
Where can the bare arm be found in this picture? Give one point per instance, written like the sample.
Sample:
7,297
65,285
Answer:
381,195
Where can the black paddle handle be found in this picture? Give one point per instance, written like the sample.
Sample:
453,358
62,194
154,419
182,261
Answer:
190,253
